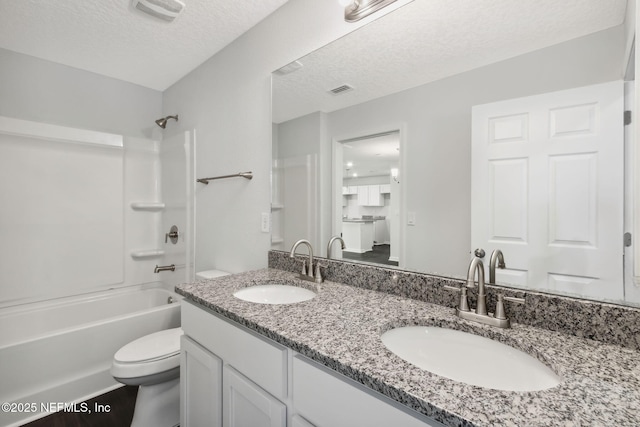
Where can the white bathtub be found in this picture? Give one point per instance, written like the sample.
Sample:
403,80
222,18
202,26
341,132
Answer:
60,351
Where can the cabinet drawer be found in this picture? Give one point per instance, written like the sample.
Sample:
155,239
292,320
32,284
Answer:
256,357
316,388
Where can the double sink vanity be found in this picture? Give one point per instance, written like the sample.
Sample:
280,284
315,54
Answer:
377,347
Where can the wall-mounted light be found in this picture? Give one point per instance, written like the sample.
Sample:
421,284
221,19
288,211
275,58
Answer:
358,9
394,174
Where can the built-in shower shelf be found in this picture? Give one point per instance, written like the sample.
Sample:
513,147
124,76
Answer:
147,206
152,253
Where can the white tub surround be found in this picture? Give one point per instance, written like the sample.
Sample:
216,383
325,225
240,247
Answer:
62,215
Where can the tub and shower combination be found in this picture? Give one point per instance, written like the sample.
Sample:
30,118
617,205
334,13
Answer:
80,241
60,351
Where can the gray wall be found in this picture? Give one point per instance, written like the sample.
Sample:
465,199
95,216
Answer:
228,101
39,90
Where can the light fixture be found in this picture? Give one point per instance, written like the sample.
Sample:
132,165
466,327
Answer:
167,10
359,9
394,174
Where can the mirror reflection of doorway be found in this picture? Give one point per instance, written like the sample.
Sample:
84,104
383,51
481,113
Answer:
370,178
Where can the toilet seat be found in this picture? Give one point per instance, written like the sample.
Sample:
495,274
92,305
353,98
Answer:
148,355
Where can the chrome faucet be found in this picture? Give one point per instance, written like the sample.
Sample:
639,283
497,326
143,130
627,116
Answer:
307,271
476,268
496,256
476,265
333,239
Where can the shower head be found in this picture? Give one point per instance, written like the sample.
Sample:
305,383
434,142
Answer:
163,121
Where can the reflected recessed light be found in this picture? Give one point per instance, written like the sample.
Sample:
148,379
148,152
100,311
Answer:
349,164
289,68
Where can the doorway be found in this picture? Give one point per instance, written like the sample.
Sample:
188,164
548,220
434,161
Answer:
367,177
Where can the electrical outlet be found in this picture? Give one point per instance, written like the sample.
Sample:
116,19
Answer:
265,223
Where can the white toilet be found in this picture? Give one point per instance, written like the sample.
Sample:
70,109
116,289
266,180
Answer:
152,362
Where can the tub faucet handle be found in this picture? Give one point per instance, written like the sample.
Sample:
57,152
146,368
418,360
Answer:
172,234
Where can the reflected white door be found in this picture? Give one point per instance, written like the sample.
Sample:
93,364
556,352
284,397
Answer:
547,189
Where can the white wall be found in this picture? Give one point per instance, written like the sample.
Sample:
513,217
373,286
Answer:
228,100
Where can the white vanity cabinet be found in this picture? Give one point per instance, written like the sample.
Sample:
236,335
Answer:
234,377
249,379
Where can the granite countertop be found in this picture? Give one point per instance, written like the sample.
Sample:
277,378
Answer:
341,326
357,220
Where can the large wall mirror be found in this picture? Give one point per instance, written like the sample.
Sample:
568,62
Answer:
439,129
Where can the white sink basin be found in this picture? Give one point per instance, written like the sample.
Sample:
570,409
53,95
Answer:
274,294
469,358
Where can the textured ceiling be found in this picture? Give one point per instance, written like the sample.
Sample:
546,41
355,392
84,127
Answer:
429,40
111,38
371,156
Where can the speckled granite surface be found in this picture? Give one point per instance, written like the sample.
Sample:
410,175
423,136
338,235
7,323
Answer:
341,326
609,323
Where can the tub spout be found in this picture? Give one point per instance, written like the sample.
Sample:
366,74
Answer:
160,268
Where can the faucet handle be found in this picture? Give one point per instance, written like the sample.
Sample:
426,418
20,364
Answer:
464,301
515,299
318,273
500,314
304,267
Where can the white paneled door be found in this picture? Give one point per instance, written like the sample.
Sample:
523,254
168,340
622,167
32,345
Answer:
547,189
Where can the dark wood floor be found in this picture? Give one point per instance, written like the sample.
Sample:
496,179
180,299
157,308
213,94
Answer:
379,255
117,407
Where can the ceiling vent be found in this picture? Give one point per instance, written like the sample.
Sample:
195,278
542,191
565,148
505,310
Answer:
341,89
167,10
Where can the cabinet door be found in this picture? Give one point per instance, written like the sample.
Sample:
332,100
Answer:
245,404
200,386
363,195
375,198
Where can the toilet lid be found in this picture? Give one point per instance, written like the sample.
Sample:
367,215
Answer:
158,345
